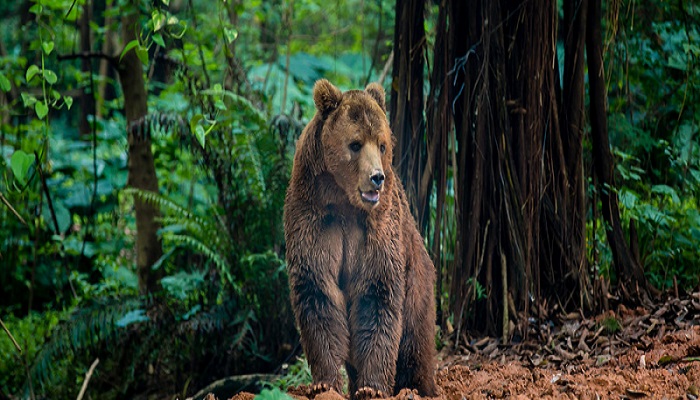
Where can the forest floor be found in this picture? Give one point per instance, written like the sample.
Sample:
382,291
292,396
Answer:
649,352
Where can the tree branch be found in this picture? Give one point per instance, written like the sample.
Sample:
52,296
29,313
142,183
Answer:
89,55
8,205
87,379
44,185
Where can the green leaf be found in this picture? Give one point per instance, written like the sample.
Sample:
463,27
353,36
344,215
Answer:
68,101
158,38
47,47
31,72
36,9
28,99
230,34
132,317
41,109
5,85
628,198
195,121
20,164
197,308
183,284
181,24
272,394
159,19
173,20
200,134
667,190
50,76
63,217
142,54
128,47
219,104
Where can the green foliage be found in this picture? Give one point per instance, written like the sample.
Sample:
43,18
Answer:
20,164
67,229
204,234
295,374
273,394
654,84
84,328
611,324
30,333
147,327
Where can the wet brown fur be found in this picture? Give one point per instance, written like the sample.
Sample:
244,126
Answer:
361,281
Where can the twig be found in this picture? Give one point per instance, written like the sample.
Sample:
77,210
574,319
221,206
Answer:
375,53
89,54
42,178
504,277
93,130
11,337
21,358
288,18
7,203
87,378
385,71
199,47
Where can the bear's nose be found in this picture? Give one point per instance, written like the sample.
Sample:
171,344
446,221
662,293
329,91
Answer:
377,178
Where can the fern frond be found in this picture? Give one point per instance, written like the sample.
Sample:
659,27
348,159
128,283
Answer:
156,199
220,262
84,329
253,171
205,235
240,103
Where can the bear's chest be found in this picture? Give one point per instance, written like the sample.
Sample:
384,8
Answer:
354,240
346,236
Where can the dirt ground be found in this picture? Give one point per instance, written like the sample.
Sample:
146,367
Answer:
623,354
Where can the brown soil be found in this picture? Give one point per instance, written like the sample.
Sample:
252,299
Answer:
648,354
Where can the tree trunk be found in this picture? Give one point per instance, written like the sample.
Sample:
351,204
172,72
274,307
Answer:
141,168
516,160
518,179
406,107
564,214
628,269
438,127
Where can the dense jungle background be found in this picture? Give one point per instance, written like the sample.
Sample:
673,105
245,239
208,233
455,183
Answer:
549,149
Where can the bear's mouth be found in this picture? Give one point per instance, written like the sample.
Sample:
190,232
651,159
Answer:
370,196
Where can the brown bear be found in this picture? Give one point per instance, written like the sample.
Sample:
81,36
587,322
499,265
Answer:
360,278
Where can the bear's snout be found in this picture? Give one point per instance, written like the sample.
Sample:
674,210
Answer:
377,178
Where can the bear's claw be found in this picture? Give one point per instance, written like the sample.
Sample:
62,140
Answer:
366,393
407,394
317,389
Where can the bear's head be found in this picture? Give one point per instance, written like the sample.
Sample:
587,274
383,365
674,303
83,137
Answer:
356,141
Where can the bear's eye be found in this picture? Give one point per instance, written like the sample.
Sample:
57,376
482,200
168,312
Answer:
382,148
355,146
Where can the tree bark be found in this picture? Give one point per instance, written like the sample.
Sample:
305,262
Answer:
437,131
564,213
628,270
406,107
141,168
513,182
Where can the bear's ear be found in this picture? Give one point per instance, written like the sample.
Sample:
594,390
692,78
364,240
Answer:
326,96
377,92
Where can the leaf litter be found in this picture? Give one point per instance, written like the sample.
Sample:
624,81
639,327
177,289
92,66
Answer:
645,352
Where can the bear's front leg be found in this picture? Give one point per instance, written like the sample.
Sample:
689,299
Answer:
320,312
375,319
